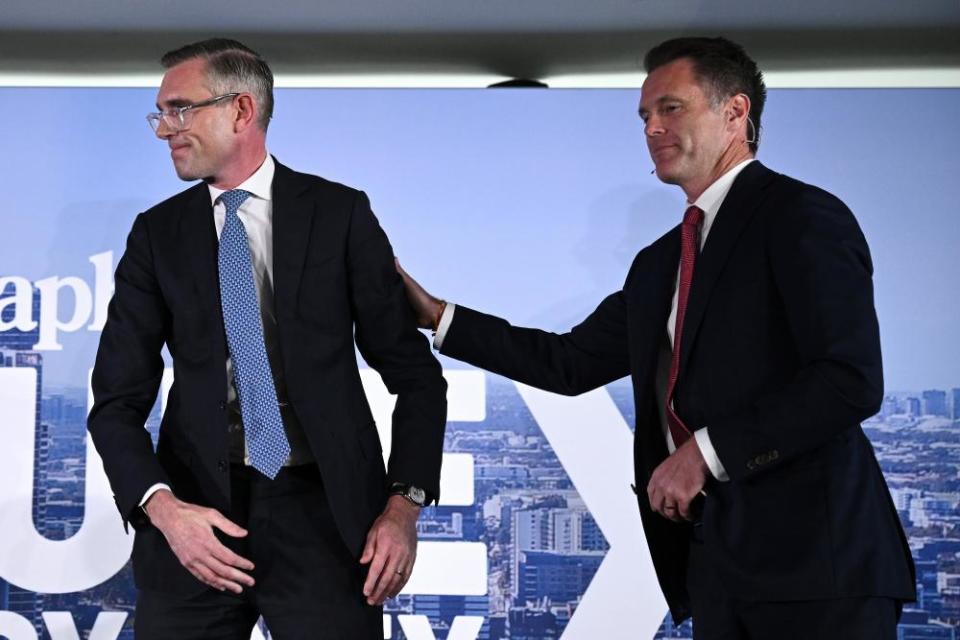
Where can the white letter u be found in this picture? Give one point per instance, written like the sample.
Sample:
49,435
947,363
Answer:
29,560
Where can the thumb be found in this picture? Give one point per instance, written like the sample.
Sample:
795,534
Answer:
368,550
221,522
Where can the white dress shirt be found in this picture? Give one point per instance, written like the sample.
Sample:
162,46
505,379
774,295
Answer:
709,202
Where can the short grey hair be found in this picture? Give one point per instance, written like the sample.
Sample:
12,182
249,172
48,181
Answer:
231,66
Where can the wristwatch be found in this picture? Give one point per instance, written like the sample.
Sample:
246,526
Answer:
416,495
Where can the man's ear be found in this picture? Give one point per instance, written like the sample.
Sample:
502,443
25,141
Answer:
738,112
246,112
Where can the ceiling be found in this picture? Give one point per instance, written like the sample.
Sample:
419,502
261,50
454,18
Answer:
503,38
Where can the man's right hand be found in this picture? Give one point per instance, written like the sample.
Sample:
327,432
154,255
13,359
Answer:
188,529
425,306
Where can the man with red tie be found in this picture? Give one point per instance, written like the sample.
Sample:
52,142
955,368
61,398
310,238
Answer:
750,335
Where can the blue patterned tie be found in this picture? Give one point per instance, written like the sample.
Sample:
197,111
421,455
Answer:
263,427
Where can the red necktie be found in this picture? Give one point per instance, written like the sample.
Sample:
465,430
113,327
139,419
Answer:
689,246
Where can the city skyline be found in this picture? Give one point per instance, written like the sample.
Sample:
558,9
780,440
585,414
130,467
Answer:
539,532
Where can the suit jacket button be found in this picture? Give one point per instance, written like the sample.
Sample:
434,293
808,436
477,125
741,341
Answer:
222,405
222,465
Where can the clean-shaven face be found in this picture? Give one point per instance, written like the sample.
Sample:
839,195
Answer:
202,150
685,135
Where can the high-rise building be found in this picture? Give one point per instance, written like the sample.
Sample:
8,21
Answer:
561,577
955,403
15,339
890,407
935,403
912,406
21,601
40,441
591,537
530,531
566,524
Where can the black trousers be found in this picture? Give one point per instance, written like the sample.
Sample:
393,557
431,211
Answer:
308,585
718,615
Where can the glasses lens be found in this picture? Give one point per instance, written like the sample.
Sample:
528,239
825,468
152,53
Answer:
172,121
181,120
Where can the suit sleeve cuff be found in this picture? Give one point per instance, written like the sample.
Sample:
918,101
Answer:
444,325
152,490
710,455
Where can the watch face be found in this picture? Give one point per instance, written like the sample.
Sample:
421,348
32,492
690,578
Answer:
418,495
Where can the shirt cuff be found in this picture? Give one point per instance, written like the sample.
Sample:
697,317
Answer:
710,455
444,325
152,490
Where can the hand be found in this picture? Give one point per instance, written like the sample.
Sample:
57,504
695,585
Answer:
677,481
188,529
426,308
391,550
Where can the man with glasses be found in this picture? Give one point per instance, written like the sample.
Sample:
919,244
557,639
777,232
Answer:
267,493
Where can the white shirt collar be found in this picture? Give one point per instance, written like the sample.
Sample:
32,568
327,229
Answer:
259,184
714,195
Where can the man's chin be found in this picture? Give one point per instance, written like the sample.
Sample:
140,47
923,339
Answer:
186,174
666,176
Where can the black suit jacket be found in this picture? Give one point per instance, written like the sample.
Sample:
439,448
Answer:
780,359
334,279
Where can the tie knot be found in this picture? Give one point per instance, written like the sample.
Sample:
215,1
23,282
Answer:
233,199
693,215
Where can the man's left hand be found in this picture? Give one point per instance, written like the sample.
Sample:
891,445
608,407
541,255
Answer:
677,481
391,550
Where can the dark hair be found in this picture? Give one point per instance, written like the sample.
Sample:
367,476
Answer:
722,66
231,66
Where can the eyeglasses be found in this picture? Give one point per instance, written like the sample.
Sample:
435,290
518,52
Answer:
179,118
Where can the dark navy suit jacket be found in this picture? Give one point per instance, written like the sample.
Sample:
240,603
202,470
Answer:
335,285
780,359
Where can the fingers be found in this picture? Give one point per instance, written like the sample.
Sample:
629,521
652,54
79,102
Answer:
377,563
221,522
425,306
402,577
226,556
191,538
391,559
229,577
654,493
666,499
218,575
368,549
394,575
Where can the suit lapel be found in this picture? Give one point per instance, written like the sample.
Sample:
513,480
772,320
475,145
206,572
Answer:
650,293
198,237
737,209
292,221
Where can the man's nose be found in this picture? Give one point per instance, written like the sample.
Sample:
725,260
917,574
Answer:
164,130
652,127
